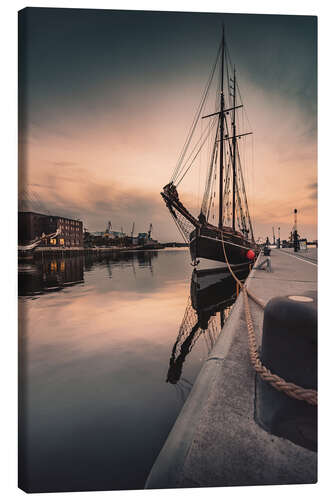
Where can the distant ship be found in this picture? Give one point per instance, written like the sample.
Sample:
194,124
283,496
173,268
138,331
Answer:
233,234
26,251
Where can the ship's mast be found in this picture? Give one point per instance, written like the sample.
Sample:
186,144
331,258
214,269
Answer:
221,137
234,152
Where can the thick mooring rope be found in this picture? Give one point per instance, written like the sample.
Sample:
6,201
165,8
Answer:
294,391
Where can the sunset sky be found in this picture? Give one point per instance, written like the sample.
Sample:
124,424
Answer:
107,98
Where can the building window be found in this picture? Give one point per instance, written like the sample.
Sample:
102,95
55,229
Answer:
53,241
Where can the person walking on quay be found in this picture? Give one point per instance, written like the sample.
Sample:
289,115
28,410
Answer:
266,262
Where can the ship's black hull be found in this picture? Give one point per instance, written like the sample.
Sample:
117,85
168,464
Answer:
213,289
206,243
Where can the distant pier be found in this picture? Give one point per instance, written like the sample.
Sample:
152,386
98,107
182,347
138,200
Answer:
56,251
217,439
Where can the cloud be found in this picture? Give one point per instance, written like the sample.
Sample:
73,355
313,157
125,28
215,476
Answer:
313,187
277,210
79,195
63,163
40,185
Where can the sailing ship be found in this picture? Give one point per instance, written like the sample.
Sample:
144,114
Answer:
230,238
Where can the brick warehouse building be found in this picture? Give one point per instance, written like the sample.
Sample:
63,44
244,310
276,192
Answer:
31,225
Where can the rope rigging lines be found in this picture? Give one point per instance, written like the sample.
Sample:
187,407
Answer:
184,226
189,332
209,179
195,119
195,151
30,201
232,206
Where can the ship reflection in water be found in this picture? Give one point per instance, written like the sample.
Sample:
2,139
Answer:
213,292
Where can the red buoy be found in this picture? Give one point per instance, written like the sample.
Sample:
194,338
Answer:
250,254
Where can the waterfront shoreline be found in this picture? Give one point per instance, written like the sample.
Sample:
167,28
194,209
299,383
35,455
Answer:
98,251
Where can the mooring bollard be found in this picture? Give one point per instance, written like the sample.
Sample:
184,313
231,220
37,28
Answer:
289,349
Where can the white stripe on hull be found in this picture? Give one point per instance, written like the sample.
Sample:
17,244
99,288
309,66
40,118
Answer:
218,239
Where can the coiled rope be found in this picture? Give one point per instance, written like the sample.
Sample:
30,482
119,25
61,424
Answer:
310,396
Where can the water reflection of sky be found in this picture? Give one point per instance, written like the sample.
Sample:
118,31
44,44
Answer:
95,359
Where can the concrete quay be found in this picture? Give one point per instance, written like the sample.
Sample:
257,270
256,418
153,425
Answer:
98,251
216,440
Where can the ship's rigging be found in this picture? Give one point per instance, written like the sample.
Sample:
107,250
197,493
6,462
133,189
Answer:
224,202
192,327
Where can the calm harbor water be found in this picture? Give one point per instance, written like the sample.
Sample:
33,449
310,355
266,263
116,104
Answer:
109,351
